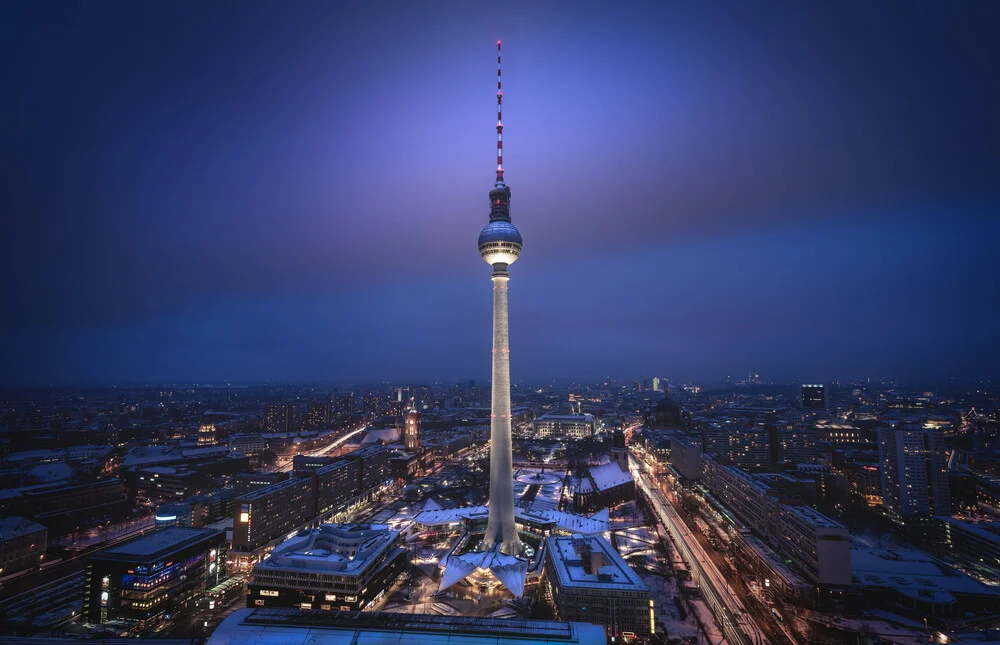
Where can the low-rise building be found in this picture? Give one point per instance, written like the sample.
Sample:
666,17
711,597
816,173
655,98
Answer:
603,487
332,567
564,426
591,582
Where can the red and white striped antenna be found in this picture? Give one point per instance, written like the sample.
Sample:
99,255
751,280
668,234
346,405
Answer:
499,121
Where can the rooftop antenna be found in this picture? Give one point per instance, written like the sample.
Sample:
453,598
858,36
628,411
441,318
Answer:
499,121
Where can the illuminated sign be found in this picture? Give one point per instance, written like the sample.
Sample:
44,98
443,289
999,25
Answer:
268,592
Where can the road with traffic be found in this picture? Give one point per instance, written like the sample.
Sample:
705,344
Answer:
737,624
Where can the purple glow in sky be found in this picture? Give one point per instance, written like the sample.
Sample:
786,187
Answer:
224,191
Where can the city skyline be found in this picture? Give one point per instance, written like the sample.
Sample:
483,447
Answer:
807,195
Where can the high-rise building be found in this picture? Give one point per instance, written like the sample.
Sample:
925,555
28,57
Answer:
913,464
278,417
344,405
319,414
500,245
411,431
813,396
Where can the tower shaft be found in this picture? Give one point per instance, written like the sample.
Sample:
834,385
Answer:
500,528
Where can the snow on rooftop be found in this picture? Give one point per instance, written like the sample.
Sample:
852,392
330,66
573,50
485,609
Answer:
11,527
591,562
608,476
913,573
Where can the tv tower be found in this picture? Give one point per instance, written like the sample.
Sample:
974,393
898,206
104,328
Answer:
500,246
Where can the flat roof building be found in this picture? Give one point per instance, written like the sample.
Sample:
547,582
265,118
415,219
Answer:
591,582
564,426
332,567
156,574
298,627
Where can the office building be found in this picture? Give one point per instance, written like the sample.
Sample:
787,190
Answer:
250,445
150,576
332,567
206,432
170,482
813,396
591,582
22,544
913,465
564,426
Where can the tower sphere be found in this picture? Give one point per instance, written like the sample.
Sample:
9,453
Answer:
500,243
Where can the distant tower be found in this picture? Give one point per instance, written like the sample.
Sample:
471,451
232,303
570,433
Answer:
411,431
206,433
500,246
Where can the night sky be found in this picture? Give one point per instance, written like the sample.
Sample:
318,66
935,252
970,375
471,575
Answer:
250,191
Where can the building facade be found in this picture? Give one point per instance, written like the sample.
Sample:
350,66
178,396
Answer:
153,575
590,582
22,544
914,470
564,426
332,567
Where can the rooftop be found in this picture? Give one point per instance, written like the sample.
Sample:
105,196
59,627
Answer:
609,476
299,627
341,548
915,574
157,544
591,562
11,527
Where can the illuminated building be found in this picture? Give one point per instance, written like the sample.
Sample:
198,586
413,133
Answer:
206,433
813,396
913,464
332,567
591,582
500,246
152,575
278,417
411,431
564,426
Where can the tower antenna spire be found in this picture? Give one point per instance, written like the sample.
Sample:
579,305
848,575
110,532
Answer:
499,121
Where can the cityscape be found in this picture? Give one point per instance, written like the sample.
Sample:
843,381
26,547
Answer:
763,412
